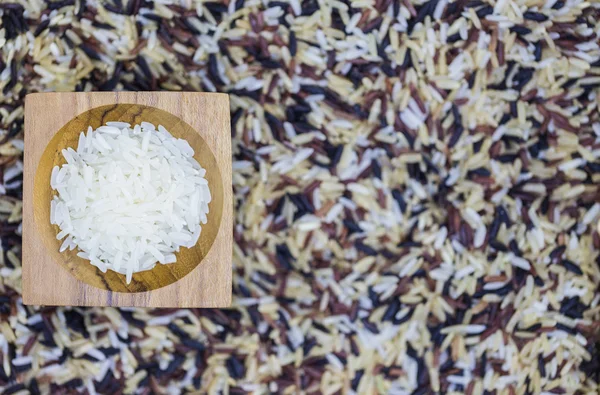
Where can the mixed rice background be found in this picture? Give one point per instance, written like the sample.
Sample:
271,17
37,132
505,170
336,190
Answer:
416,196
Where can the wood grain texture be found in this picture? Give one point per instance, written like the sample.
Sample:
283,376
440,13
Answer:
68,136
202,275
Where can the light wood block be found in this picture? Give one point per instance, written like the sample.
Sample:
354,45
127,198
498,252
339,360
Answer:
201,277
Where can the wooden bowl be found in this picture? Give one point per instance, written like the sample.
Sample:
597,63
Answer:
161,275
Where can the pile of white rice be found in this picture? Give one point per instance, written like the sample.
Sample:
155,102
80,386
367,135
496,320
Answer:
129,198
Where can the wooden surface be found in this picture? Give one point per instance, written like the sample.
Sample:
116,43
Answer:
68,136
201,277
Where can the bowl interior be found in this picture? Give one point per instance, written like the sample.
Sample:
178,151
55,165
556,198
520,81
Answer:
160,275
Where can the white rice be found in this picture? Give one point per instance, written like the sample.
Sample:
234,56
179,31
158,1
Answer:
127,198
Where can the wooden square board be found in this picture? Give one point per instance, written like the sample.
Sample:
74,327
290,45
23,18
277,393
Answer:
48,277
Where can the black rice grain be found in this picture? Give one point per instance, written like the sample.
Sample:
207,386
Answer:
235,368
535,16
570,266
284,256
356,379
520,30
368,250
